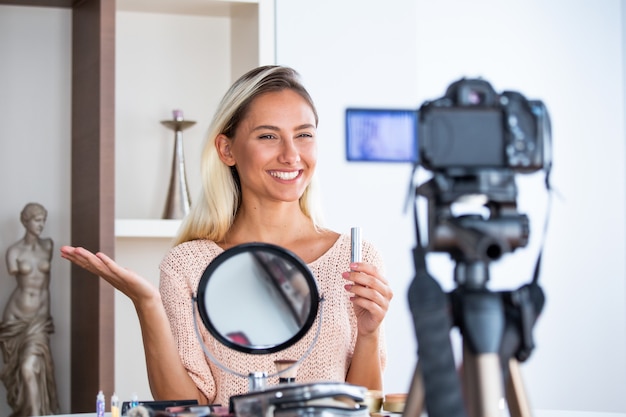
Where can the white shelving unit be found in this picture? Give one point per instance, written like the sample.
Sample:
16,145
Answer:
175,54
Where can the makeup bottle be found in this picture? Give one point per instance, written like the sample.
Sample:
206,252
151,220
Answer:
115,406
287,370
100,404
355,244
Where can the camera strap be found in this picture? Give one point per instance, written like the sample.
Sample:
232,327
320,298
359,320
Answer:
528,301
550,191
433,321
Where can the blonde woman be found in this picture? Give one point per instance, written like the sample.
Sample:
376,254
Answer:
258,176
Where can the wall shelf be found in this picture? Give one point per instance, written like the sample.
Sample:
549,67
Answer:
146,228
190,7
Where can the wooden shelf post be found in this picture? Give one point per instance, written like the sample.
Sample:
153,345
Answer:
93,194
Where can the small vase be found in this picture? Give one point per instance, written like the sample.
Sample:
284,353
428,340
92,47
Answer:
178,200
287,370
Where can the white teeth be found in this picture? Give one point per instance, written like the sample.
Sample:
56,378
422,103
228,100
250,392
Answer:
284,175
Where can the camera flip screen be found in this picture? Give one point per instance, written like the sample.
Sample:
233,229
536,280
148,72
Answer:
381,135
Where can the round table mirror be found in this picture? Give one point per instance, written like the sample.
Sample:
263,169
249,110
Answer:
257,298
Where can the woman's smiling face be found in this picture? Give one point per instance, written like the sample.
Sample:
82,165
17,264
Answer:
274,148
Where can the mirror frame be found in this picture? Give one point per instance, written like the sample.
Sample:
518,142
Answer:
277,251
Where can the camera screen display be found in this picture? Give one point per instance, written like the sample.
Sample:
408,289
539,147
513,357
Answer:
381,135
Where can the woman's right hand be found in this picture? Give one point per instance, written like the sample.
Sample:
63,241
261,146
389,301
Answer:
134,286
162,359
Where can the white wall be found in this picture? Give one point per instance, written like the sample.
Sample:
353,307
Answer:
395,53
35,120
569,54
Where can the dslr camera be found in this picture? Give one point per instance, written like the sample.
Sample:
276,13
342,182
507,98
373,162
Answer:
475,140
472,128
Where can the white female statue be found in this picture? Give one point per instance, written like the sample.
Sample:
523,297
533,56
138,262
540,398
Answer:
28,372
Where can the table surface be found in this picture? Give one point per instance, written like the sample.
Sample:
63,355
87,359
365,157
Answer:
537,413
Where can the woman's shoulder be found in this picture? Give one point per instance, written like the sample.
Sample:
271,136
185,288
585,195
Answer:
199,251
195,243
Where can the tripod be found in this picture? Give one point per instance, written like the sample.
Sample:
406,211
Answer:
497,335
496,326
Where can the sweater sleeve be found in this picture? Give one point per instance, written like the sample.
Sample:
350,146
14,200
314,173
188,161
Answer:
177,285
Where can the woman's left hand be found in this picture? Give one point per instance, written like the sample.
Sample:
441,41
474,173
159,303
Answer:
371,295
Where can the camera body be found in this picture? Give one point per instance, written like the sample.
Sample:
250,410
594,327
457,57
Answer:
472,128
475,141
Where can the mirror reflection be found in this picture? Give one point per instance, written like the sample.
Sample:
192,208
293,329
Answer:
257,298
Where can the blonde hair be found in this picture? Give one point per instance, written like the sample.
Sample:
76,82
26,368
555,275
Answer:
213,212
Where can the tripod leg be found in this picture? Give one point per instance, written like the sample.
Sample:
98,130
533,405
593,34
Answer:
515,393
414,406
468,377
483,384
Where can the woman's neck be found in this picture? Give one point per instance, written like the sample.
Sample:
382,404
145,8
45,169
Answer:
284,226
279,224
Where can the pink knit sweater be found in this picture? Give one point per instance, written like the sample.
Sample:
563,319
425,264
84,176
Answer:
181,270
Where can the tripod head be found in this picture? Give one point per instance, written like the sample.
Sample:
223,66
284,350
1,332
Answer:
473,240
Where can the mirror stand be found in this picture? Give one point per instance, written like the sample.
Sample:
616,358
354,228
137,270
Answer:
257,381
